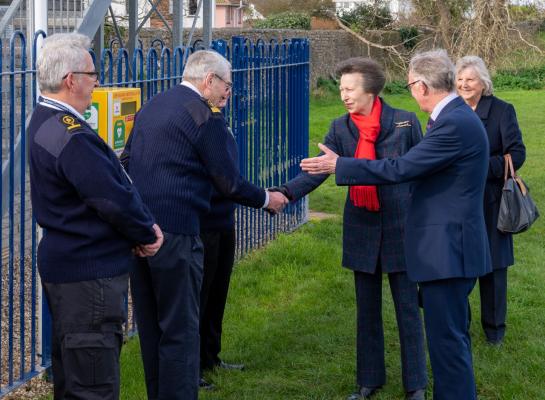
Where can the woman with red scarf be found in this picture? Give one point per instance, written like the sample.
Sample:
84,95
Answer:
373,226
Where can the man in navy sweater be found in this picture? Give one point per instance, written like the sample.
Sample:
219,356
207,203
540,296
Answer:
93,218
179,150
219,241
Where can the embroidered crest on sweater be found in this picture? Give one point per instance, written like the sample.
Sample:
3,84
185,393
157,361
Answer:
70,122
214,109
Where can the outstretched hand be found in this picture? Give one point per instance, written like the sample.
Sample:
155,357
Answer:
324,164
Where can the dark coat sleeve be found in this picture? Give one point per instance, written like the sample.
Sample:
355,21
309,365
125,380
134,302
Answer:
103,186
305,183
511,138
436,151
217,149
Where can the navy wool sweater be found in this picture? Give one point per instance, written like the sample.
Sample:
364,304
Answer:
179,150
221,216
91,213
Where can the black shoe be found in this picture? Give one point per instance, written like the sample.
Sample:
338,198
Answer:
224,365
205,385
363,393
419,394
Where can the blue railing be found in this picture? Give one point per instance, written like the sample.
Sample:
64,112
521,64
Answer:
268,113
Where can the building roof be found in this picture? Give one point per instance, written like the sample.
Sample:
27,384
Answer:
236,3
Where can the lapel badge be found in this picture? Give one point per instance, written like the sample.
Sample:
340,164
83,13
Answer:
402,124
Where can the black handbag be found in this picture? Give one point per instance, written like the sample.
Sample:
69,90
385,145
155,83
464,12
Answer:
517,209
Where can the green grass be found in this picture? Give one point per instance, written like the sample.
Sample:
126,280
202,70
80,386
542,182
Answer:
291,313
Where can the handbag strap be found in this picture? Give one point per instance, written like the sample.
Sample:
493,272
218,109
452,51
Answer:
508,168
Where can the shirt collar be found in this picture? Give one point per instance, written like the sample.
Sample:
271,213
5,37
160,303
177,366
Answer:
192,87
61,105
442,104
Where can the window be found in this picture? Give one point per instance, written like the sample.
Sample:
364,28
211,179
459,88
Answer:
192,7
228,16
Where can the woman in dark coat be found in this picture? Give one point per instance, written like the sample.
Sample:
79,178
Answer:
373,224
500,121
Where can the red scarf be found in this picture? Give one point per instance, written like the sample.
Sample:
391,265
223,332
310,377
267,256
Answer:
369,128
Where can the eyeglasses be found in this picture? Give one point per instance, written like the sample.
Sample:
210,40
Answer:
408,85
92,74
228,84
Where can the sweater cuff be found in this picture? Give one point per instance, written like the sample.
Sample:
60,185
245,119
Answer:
266,203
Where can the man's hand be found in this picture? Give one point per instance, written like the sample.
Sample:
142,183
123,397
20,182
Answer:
324,164
277,201
148,250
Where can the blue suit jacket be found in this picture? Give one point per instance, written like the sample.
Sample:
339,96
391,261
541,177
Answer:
445,235
500,121
371,236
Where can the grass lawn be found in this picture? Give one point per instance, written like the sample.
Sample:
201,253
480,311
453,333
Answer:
291,311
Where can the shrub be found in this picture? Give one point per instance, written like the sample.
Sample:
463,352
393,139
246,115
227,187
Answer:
329,84
367,16
395,87
326,88
524,12
285,20
408,35
530,78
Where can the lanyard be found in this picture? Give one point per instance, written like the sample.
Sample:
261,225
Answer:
62,107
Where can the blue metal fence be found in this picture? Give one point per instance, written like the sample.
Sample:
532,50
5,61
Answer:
268,113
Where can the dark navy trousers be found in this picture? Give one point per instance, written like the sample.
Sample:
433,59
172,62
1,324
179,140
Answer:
165,290
493,292
219,256
446,315
88,319
371,370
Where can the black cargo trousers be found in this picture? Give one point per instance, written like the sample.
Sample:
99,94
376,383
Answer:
88,319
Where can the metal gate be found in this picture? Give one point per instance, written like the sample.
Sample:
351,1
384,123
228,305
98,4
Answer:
268,113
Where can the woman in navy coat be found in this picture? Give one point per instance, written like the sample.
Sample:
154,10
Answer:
500,121
373,231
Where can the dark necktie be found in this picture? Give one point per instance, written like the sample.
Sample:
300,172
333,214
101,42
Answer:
429,124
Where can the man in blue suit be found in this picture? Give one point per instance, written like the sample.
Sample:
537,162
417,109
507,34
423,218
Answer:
446,245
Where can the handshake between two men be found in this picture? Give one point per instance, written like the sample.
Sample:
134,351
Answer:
278,199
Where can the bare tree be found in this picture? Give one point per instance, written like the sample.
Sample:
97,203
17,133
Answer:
479,27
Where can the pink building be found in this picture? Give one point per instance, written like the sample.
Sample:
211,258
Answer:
225,13
228,13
